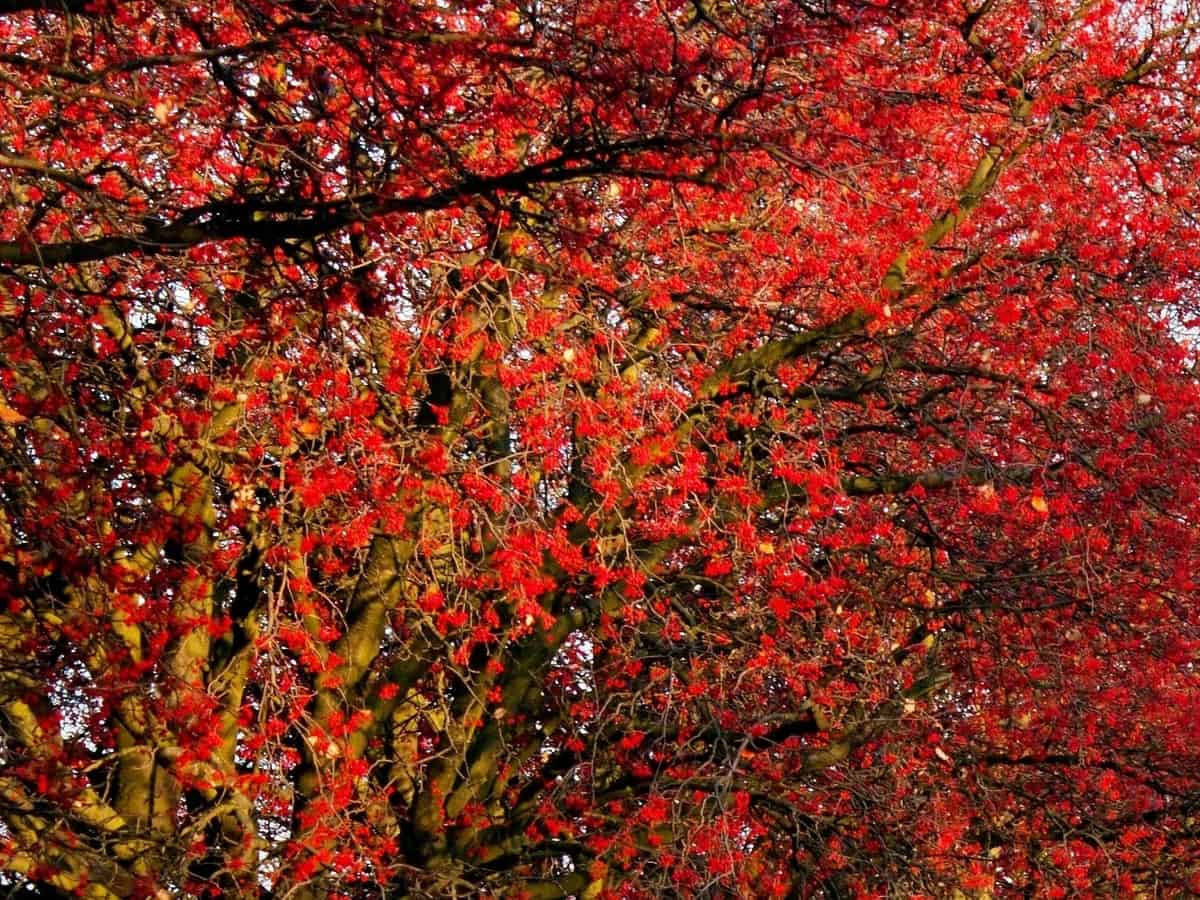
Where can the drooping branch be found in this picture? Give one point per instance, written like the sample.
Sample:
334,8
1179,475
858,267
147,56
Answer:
73,7
271,222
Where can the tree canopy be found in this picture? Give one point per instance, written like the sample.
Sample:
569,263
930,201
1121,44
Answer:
596,449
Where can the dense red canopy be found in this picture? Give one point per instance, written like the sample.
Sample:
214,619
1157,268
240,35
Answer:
599,449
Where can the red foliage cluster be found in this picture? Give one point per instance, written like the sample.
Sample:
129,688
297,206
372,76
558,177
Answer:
599,449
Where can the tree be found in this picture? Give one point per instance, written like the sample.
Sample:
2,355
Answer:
593,449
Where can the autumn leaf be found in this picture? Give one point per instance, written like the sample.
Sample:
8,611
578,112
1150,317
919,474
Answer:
8,415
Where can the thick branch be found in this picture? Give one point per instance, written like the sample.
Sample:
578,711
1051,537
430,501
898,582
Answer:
867,485
274,222
74,7
866,728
